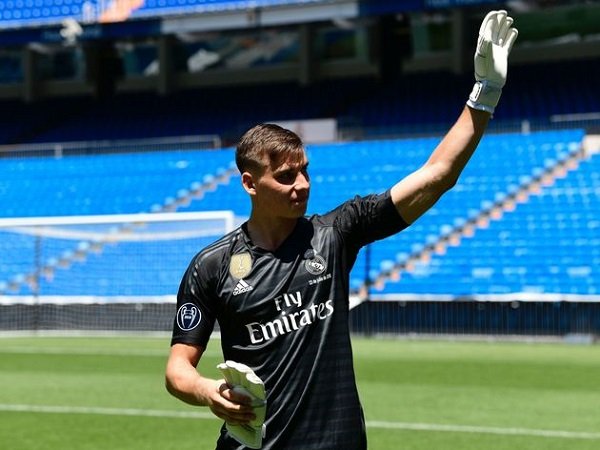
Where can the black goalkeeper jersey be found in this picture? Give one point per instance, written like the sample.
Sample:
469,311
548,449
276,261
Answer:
285,315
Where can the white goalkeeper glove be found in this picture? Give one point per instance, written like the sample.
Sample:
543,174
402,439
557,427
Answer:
243,380
496,38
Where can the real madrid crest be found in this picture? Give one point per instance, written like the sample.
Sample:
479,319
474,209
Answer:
315,264
240,265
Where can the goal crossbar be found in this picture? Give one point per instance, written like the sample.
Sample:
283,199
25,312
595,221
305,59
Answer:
104,219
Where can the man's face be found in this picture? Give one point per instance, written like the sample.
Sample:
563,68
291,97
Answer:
283,188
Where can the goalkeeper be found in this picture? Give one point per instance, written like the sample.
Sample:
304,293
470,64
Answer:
279,284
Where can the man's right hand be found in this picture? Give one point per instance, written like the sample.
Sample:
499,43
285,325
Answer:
230,405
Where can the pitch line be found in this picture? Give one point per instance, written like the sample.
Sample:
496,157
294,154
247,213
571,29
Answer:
106,411
561,434
484,430
82,351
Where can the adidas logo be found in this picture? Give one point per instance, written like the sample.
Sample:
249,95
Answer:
242,287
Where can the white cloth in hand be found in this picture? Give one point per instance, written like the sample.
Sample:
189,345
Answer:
242,379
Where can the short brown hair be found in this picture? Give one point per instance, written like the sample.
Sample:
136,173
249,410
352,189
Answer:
270,140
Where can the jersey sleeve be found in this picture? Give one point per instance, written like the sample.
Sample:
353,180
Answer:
364,220
196,305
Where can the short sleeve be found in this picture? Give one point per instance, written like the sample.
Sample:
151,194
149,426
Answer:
196,306
363,220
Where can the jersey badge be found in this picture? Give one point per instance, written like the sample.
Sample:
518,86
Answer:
188,317
240,265
314,264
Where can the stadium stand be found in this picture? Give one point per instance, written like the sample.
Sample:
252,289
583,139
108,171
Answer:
162,7
129,183
364,106
209,111
49,12
103,184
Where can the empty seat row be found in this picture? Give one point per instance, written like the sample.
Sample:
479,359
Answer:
528,247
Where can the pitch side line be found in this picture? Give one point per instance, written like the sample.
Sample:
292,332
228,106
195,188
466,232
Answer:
562,434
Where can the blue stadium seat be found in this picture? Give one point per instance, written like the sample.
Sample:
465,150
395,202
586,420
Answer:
29,13
549,244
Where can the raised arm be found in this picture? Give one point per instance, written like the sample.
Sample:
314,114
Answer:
419,191
183,381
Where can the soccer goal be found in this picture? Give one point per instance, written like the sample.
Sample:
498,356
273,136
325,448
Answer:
110,272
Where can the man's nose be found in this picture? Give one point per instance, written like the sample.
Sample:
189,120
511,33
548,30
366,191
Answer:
302,181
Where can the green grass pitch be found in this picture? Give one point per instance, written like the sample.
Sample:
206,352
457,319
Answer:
108,393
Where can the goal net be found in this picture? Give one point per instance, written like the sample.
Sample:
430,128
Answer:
115,272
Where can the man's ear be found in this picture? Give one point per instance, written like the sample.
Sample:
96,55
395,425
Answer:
248,183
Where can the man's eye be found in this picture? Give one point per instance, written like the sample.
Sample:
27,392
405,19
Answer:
286,177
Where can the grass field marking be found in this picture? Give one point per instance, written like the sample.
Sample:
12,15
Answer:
484,430
136,412
562,434
81,351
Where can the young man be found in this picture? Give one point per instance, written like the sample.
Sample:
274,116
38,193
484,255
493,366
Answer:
279,284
